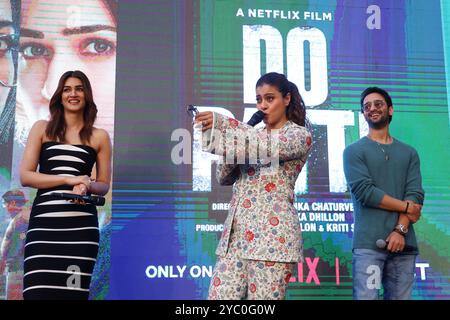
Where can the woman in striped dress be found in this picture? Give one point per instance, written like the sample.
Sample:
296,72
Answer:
62,239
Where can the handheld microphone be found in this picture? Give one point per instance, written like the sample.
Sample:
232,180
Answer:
95,200
382,244
256,118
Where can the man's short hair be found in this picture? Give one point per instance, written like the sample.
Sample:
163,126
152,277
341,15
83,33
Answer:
15,195
382,92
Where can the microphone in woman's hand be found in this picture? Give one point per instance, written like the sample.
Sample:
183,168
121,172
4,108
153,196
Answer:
95,200
256,118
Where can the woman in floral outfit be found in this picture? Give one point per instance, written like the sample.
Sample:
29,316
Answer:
261,241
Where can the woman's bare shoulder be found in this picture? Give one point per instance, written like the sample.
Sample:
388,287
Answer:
99,137
40,125
99,133
38,128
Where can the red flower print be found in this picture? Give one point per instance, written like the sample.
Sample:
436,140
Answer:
298,168
217,282
270,186
308,141
252,287
282,239
251,171
283,138
274,221
249,235
269,263
288,277
233,122
247,203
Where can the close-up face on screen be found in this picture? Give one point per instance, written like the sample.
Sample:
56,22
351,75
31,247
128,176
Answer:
6,45
57,36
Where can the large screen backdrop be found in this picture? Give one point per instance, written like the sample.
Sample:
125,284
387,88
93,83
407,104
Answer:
168,210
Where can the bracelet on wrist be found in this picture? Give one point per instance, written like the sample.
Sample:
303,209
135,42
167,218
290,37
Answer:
406,209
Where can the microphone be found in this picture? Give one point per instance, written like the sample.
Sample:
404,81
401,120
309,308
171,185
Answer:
256,118
95,200
382,244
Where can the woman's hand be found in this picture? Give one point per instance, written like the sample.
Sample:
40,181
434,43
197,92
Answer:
80,189
206,119
73,181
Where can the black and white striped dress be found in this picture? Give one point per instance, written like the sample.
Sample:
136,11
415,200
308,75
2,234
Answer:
62,239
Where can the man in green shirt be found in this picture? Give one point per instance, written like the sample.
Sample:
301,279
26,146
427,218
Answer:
385,182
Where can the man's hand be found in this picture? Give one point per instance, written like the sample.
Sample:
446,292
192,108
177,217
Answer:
414,211
396,242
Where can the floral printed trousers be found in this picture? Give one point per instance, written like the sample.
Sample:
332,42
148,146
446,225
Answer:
235,278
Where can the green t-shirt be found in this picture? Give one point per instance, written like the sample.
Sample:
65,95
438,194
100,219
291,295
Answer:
373,170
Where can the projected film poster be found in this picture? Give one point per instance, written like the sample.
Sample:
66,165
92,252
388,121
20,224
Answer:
332,50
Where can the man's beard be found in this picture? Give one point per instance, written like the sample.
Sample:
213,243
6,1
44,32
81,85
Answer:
380,124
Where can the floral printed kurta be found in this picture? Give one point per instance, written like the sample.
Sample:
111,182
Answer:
261,214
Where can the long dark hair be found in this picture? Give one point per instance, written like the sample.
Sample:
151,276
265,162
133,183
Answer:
296,110
56,127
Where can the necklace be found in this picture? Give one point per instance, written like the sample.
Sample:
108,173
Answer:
386,156
383,146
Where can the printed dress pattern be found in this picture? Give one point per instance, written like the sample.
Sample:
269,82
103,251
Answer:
262,217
